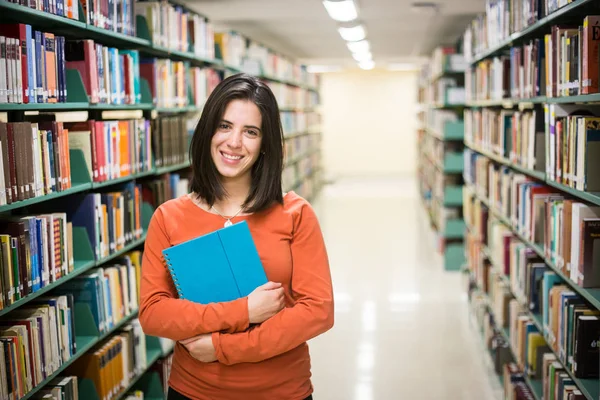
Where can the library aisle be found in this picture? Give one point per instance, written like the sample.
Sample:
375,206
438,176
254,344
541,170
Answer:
402,327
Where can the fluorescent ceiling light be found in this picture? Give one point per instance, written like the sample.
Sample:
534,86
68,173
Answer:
353,34
319,69
359,57
361,46
341,10
367,64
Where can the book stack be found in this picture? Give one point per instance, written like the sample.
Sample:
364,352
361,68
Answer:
111,220
167,24
36,251
34,342
201,36
113,363
61,388
110,75
167,80
117,17
34,160
170,141
168,186
232,46
32,65
111,293
113,149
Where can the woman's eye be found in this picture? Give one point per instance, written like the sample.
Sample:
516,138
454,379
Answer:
223,126
253,133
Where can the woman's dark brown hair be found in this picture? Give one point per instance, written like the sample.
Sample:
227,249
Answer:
266,186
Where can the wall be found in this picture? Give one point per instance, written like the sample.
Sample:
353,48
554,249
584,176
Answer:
369,123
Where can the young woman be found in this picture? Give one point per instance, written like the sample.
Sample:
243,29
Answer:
254,347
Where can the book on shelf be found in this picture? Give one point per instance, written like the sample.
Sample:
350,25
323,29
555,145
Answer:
171,140
34,342
110,75
115,16
63,8
62,387
168,186
113,363
163,369
36,252
112,220
32,65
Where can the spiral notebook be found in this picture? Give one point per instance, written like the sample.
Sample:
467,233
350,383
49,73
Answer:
220,266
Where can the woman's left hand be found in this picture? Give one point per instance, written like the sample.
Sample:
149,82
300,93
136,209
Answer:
201,348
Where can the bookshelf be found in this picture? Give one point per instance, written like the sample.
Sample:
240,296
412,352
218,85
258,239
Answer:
159,163
521,133
441,94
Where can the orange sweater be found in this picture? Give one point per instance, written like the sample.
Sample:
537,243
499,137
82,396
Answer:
269,361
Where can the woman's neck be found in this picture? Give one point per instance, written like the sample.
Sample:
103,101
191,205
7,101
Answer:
237,193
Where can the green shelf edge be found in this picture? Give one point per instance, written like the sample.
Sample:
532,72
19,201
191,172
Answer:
79,353
504,161
171,168
44,106
40,199
591,295
547,20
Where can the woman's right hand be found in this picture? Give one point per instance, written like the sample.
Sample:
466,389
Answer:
265,301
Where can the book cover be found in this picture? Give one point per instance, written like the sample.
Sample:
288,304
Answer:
223,277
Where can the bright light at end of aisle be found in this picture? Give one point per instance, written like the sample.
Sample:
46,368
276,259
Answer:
341,10
354,34
367,65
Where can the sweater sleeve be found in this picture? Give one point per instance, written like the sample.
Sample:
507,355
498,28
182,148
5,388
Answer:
162,313
312,313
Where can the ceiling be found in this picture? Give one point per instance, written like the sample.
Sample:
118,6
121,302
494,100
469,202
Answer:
302,29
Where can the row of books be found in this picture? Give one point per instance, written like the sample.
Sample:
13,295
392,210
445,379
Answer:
168,186
564,226
35,341
299,146
34,160
503,18
535,297
32,65
113,363
562,63
292,96
237,50
112,220
35,252
436,119
60,388
517,136
176,28
172,140
116,16
63,8
571,153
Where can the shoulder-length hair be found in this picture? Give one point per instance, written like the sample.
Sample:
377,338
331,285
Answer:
266,186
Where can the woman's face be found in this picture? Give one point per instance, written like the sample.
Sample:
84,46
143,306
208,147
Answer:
235,146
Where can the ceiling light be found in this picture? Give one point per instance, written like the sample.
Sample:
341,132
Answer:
360,57
319,69
341,10
353,34
367,64
361,46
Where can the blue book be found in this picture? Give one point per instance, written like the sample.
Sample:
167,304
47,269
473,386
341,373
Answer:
220,266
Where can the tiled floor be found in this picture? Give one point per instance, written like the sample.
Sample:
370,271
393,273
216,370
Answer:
402,328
